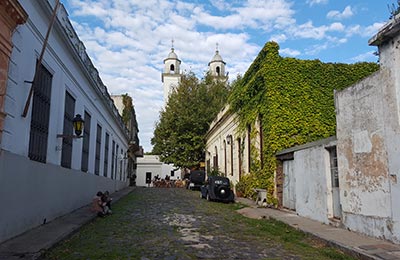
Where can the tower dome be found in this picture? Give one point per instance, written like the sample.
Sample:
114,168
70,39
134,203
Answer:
217,65
172,63
172,54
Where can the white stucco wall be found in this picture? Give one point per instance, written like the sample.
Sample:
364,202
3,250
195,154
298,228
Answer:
313,183
31,190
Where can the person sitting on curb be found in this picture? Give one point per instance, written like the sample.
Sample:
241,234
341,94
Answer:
106,200
97,205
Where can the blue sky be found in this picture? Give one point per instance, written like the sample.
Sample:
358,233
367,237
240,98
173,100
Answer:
128,40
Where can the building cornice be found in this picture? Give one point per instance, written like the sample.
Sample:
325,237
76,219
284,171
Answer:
14,13
387,32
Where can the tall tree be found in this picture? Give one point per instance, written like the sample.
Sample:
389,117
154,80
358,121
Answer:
179,133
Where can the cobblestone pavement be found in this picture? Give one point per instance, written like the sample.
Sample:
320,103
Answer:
160,223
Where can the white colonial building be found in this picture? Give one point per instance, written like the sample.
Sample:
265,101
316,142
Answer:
45,172
150,166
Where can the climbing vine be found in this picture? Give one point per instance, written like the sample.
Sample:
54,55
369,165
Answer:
294,99
128,107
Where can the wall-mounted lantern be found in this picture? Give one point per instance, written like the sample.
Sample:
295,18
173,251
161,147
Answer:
78,124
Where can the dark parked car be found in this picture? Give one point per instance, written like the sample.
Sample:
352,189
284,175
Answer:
217,188
196,179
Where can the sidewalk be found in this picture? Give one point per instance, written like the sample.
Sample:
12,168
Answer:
31,244
355,244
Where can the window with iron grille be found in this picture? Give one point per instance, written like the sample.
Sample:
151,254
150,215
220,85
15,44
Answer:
98,149
112,159
116,161
86,143
120,166
39,129
106,154
69,111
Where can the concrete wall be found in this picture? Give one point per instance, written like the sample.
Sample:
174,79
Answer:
313,183
365,113
368,135
307,180
31,192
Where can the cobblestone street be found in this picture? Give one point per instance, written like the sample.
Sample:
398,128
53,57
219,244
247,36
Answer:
157,223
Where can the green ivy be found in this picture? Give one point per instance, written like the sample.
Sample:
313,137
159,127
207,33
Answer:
128,107
294,99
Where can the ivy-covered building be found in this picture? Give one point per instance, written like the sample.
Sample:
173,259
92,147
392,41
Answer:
362,184
279,103
126,109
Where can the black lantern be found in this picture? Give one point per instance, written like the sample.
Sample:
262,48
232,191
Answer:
78,124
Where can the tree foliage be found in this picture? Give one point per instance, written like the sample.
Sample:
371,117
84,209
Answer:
182,125
294,99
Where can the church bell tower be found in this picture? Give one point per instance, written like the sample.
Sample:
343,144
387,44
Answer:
217,67
171,76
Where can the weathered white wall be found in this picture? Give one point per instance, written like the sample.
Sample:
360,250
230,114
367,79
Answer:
368,141
313,183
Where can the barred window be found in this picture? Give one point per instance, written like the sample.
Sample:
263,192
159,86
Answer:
106,154
116,161
69,110
86,143
98,149
112,159
39,129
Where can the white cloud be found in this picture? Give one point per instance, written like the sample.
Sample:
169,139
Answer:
367,56
289,52
279,38
221,5
317,48
337,27
372,29
316,2
364,31
337,15
253,14
128,40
